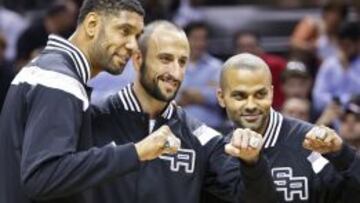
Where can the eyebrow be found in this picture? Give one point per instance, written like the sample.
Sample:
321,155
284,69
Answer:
245,92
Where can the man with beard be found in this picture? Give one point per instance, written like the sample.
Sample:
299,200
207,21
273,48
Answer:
46,154
308,163
199,164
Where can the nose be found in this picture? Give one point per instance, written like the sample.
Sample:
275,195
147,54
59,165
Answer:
177,71
250,106
132,44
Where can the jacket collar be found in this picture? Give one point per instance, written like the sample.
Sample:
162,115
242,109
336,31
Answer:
82,66
273,129
130,102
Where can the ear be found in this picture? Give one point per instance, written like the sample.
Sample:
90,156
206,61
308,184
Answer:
220,97
91,24
272,92
137,59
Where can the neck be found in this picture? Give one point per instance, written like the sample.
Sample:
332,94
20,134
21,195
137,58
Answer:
79,40
149,104
262,129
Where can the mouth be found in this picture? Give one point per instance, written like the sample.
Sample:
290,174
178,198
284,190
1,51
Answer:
169,82
251,117
122,60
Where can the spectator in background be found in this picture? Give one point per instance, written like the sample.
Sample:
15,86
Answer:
350,123
159,9
331,114
297,108
339,75
6,71
318,37
11,26
187,12
59,19
198,91
249,42
296,81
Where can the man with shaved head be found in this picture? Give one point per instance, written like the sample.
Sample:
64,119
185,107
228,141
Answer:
308,163
186,157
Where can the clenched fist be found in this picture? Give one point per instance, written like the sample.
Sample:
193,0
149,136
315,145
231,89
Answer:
246,145
323,140
159,142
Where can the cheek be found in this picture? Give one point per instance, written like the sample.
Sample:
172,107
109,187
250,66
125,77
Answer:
233,105
265,103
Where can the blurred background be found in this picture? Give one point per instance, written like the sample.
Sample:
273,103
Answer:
311,46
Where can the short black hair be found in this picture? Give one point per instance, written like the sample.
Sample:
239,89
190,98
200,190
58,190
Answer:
56,9
295,69
240,33
109,6
195,25
350,31
338,6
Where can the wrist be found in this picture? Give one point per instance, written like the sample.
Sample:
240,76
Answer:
251,162
139,151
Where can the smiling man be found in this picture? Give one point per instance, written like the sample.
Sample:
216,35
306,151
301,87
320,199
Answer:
308,164
46,153
147,105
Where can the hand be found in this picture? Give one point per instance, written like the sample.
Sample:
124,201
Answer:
246,145
159,142
323,140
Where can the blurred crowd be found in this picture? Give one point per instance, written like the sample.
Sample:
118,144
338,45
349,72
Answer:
317,79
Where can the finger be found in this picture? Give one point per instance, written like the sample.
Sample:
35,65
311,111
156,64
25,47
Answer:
329,140
254,142
311,145
244,140
171,149
316,143
164,128
236,139
320,133
306,144
310,134
231,150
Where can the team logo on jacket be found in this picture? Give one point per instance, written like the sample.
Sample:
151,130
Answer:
184,160
291,187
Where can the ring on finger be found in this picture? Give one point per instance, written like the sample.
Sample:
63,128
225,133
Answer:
254,142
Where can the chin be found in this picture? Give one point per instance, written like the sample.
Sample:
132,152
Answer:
115,71
168,98
253,126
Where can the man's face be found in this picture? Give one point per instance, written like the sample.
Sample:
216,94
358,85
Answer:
198,41
350,127
247,96
165,63
332,19
117,40
297,108
297,87
349,48
247,43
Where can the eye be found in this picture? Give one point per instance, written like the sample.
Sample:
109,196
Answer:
238,96
165,59
125,31
182,62
261,94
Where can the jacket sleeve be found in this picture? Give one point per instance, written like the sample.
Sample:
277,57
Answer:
345,165
231,180
51,165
